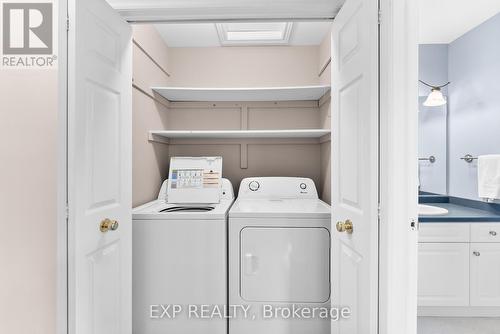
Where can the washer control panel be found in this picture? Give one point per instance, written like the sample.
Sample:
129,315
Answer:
277,187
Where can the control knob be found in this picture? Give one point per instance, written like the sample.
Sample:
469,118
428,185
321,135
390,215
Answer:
254,186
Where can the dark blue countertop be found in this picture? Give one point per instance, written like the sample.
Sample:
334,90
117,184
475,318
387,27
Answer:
461,210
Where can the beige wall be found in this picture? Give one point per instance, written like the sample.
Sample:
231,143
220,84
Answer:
244,66
264,159
292,157
324,58
250,67
326,159
325,110
28,190
150,68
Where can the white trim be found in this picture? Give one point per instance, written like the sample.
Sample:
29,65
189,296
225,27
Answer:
398,166
220,134
252,94
62,255
208,12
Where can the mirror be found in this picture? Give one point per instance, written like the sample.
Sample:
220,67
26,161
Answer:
432,148
468,124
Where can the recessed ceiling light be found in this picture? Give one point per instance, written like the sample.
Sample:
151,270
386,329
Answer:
269,33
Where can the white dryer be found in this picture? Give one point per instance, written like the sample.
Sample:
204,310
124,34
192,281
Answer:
180,257
279,256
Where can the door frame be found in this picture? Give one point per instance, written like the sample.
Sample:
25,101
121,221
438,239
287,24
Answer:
62,172
398,119
398,67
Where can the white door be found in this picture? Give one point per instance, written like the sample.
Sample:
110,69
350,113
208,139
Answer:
443,274
99,169
355,165
485,274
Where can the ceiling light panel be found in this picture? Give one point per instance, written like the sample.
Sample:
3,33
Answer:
261,33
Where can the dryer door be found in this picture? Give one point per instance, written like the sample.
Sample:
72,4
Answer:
281,264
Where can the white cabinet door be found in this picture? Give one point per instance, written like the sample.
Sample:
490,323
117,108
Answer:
443,275
485,274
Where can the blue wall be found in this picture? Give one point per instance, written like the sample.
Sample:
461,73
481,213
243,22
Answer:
474,103
432,66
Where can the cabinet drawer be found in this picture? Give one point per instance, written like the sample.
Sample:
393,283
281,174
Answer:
444,232
485,232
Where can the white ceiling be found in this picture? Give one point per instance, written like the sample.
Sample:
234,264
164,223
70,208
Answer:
210,10
443,21
205,34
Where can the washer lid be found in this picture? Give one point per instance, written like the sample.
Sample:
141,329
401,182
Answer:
280,208
161,210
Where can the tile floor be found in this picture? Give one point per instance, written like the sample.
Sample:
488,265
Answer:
438,325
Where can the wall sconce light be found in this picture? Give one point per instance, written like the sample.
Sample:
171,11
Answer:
435,98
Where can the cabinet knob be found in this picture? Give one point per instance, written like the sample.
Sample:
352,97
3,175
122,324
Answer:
493,233
476,253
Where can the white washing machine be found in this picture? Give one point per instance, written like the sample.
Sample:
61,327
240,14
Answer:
180,254
279,256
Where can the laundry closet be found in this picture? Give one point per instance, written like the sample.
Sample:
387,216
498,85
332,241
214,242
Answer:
265,109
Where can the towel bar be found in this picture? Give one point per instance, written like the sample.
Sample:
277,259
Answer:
468,158
431,159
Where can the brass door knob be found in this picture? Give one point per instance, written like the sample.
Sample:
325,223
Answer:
108,225
345,226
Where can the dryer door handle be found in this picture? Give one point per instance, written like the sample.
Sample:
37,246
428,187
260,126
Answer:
251,264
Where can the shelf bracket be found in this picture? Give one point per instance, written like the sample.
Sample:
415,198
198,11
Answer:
244,146
243,155
244,117
152,138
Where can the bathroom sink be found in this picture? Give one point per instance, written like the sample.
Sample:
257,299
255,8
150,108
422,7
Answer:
429,210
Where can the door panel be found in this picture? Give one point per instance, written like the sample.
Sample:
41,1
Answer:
99,169
355,164
289,265
350,169
485,274
443,275
349,278
105,297
103,135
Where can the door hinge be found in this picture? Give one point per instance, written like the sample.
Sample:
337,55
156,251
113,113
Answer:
67,24
67,212
414,225
379,16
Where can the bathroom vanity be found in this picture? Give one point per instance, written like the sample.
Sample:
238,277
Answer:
459,259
